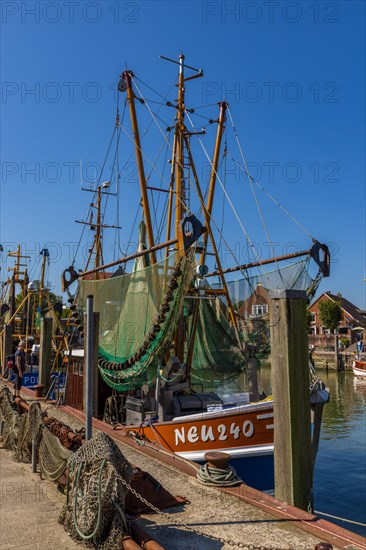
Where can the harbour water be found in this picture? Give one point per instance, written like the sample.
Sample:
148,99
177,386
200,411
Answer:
340,472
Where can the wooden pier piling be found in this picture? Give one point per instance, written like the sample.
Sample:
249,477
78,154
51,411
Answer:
91,358
45,355
291,403
89,361
252,375
7,345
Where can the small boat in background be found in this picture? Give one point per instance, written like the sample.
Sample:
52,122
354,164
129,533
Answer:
359,364
359,368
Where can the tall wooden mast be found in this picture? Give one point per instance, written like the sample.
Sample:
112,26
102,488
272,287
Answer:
180,144
171,194
45,254
97,245
17,270
98,260
215,249
215,163
127,75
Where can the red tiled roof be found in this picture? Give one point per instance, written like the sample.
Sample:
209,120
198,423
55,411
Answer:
92,276
347,306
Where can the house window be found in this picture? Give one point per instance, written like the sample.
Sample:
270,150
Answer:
325,330
312,317
312,330
259,309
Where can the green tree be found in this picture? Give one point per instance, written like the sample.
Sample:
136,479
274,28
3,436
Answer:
330,314
54,298
309,317
34,303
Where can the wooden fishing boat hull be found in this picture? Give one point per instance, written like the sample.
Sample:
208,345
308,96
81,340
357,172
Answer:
359,368
245,432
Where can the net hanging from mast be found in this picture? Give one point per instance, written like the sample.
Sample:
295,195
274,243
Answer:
216,352
139,312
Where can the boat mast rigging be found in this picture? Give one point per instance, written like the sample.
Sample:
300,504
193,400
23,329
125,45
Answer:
96,247
127,75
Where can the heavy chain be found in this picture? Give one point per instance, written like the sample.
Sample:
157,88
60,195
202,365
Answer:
230,542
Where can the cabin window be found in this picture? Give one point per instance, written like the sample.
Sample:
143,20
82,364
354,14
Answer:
78,367
259,309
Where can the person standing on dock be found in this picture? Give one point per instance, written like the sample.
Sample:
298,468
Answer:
19,368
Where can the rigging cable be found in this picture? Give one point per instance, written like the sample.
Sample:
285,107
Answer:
254,194
224,160
164,137
90,207
133,150
155,91
161,225
274,201
232,207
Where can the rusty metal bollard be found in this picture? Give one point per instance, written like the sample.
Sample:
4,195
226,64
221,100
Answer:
143,538
38,390
217,459
127,543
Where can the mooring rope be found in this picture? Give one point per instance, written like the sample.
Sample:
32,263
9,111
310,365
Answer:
226,477
341,519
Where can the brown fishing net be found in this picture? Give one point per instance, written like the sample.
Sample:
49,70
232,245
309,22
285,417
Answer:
94,511
18,429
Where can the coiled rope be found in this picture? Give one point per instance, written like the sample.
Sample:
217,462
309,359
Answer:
218,477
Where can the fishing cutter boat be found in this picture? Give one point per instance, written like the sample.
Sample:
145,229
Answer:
174,330
23,303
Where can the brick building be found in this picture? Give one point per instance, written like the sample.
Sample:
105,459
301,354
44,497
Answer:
256,305
352,317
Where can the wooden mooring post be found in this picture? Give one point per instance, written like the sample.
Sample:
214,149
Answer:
291,403
45,352
7,348
252,374
91,373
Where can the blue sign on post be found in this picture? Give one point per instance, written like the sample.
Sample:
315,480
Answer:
29,379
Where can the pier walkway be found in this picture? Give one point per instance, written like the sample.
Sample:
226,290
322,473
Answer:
213,520
29,509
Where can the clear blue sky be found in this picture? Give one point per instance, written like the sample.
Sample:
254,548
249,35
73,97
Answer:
293,73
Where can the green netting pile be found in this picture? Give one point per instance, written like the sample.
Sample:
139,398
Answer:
139,313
